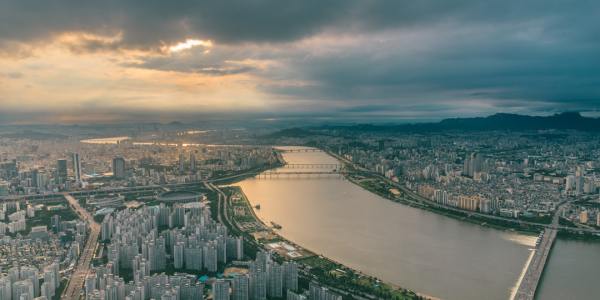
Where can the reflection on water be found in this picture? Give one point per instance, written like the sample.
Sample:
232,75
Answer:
410,247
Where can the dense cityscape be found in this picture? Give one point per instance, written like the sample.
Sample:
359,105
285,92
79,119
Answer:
171,225
299,150
158,237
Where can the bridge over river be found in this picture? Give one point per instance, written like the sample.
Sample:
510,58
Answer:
304,170
535,268
295,150
298,174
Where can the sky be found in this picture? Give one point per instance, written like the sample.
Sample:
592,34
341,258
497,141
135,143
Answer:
79,61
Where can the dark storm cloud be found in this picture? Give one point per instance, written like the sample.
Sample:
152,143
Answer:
170,64
148,22
424,55
521,67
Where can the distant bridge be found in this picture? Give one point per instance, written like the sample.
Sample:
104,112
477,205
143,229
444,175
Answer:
313,166
299,150
301,174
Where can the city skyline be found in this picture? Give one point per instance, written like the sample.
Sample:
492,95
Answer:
116,61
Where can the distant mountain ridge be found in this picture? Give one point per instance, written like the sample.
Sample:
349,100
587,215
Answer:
566,120
499,121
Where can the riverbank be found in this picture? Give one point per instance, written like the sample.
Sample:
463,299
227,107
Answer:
395,192
464,216
384,187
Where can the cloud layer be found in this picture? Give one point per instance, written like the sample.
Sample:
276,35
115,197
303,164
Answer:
371,59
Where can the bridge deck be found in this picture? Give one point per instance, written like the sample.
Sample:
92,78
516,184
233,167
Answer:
533,274
300,150
275,174
312,166
535,269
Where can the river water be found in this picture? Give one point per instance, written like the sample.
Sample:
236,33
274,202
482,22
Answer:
572,271
409,247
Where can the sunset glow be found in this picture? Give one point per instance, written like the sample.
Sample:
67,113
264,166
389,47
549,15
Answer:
189,44
354,60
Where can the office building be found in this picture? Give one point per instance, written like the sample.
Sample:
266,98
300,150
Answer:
193,166
55,222
76,167
61,171
118,167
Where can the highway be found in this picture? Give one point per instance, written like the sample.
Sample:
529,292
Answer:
123,190
75,285
221,203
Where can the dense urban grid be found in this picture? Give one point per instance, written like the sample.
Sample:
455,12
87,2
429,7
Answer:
157,237
129,219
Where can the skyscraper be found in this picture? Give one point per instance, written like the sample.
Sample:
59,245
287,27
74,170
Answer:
5,287
290,275
55,221
210,256
473,164
220,290
23,288
178,255
118,167
258,283
275,283
181,162
61,171
321,293
76,167
31,274
34,178
240,287
192,162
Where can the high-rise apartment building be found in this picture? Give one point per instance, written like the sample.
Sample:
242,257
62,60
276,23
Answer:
61,171
118,167
76,167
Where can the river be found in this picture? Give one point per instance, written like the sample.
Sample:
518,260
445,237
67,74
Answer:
572,271
409,247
